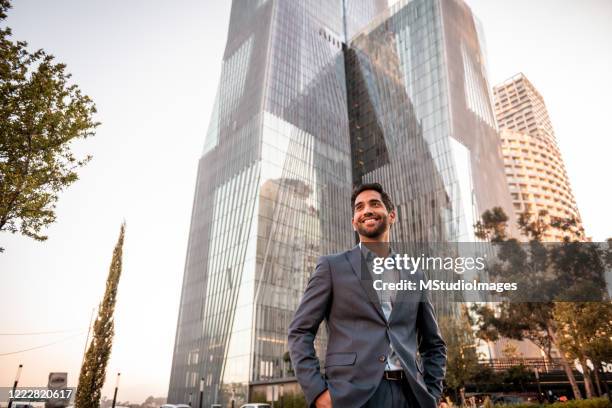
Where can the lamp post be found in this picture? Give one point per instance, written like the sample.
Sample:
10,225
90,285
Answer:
537,376
116,389
10,403
201,391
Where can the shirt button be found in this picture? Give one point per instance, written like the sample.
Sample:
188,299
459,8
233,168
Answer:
382,359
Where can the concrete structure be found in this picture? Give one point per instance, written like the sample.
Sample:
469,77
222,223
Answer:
533,163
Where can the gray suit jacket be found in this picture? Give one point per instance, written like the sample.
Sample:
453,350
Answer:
340,291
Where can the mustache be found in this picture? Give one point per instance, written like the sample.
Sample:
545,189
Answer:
370,216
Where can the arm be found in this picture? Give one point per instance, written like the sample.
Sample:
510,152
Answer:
432,347
303,329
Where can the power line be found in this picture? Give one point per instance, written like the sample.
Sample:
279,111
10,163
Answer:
42,346
39,333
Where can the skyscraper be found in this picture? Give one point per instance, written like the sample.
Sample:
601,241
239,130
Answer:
315,96
533,163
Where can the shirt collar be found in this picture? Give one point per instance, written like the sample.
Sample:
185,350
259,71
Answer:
369,255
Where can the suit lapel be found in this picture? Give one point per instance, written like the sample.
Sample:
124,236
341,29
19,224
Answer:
405,296
365,278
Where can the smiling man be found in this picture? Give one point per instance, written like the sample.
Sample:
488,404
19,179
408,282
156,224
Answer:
383,350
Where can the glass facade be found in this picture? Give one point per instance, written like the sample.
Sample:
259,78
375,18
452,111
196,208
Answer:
315,96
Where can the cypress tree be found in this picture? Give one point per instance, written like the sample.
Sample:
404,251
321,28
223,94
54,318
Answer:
93,370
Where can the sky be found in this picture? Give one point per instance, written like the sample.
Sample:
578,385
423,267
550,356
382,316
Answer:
152,68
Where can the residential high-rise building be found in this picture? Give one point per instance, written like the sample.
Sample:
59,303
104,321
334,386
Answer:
533,163
314,96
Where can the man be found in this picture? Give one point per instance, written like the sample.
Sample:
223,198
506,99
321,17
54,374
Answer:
373,335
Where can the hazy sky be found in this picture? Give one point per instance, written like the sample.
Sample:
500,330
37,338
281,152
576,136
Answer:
152,68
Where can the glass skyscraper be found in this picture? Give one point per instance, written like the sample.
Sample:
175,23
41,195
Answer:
315,96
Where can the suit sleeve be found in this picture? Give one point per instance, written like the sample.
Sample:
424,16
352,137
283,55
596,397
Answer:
432,347
303,329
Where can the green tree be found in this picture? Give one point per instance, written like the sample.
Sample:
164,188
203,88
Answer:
462,358
585,332
547,272
93,370
41,114
518,376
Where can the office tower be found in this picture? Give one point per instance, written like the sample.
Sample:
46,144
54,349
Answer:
534,167
315,96
272,193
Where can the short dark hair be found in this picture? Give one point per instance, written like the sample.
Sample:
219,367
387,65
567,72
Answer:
360,188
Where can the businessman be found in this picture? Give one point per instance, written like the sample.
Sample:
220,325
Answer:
384,347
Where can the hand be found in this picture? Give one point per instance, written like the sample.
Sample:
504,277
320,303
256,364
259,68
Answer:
324,400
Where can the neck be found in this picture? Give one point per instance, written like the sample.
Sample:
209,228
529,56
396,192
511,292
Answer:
379,245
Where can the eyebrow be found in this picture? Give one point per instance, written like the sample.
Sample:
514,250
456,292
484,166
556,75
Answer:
373,200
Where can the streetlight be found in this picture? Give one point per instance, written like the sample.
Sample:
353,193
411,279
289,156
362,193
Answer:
116,389
15,384
201,390
537,376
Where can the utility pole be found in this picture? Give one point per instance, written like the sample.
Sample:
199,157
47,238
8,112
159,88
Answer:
116,389
10,403
537,376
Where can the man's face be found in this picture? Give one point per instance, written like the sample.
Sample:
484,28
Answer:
370,216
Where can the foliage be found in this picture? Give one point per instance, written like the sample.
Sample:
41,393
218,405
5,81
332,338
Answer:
462,359
492,225
518,376
547,273
585,331
41,114
93,370
289,400
585,403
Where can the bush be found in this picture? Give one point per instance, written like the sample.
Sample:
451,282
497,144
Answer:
602,402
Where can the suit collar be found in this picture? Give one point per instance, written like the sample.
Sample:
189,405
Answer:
365,278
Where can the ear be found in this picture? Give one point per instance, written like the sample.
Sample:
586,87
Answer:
392,217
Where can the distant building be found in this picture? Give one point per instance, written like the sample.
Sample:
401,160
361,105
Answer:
533,163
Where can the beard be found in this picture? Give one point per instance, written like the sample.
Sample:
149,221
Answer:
373,233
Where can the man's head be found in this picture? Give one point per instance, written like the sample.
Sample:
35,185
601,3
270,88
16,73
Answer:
373,211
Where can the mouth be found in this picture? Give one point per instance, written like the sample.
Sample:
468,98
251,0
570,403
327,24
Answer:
370,221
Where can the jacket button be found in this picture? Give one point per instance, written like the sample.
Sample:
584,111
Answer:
382,359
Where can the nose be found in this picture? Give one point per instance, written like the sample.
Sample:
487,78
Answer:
367,213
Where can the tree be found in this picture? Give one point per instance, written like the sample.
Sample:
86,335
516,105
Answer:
93,370
41,114
462,361
518,376
585,330
547,272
